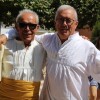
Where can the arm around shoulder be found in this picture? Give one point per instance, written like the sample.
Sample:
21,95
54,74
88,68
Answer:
9,34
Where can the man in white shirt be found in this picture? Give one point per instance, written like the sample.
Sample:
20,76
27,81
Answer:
22,61
70,59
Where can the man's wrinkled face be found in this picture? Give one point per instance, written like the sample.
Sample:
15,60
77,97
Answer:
65,23
26,27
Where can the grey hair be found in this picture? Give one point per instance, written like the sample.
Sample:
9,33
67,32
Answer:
64,7
27,11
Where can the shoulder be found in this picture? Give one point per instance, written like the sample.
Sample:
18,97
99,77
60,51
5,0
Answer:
89,46
37,47
85,41
36,44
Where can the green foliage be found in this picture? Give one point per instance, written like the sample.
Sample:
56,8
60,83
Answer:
8,11
96,32
88,10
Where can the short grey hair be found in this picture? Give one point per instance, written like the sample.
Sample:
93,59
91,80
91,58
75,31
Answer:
64,7
27,11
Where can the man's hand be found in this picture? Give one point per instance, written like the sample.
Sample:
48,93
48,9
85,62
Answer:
3,39
84,37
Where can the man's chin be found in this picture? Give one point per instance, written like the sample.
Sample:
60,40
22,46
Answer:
65,31
64,34
28,40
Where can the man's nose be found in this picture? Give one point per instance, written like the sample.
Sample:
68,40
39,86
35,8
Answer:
27,27
64,22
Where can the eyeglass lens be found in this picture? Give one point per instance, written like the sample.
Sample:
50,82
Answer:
67,20
30,25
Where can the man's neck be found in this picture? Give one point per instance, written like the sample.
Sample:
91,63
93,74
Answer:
63,40
26,44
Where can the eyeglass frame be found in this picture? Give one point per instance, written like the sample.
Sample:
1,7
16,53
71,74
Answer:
62,20
24,25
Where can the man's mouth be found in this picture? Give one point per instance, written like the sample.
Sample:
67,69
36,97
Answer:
65,28
26,33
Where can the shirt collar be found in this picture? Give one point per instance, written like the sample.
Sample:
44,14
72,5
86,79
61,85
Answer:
71,37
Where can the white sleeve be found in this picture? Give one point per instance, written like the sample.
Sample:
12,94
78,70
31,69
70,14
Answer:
40,38
95,65
11,33
43,37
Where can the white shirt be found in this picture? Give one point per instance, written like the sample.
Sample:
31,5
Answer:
69,65
20,63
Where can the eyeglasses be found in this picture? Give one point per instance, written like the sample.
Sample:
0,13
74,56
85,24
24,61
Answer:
30,25
67,20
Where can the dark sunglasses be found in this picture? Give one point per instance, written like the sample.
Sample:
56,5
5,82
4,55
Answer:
30,25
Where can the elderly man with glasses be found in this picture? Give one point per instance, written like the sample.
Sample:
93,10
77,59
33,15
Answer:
22,61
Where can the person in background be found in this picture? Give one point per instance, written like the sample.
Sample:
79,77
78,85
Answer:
22,61
70,59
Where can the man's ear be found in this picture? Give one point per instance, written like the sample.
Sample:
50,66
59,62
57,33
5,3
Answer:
76,23
37,28
16,26
55,25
